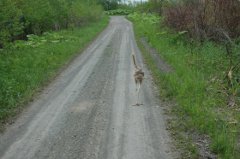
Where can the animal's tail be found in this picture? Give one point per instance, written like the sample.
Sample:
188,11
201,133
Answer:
134,61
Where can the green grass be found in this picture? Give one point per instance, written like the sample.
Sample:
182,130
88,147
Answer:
27,66
196,85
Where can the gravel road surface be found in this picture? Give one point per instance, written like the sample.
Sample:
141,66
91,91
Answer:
87,112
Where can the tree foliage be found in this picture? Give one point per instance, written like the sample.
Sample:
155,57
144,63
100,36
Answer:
109,4
19,18
10,24
151,6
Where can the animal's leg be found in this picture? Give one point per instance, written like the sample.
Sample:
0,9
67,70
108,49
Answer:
139,94
136,84
139,86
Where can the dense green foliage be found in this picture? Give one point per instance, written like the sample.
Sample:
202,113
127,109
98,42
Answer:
199,84
18,18
109,4
27,65
119,12
152,6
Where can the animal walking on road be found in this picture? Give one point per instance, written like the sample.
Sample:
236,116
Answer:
138,77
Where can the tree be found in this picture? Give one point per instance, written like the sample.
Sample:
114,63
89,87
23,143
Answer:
19,18
10,25
109,4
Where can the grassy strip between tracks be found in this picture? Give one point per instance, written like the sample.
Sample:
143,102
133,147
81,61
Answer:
26,66
194,84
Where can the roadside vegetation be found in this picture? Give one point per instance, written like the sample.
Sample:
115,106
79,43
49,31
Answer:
19,18
205,81
36,39
119,12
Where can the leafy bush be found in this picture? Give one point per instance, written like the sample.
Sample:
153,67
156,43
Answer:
35,40
10,26
152,6
109,4
148,18
19,18
119,12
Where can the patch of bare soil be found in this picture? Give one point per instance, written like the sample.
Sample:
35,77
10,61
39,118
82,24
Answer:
203,144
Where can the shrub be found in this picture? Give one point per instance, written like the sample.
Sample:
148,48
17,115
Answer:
19,18
214,19
119,12
10,25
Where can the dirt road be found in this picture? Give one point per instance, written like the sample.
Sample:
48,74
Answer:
86,112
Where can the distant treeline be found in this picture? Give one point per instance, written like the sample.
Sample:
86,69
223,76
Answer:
19,18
